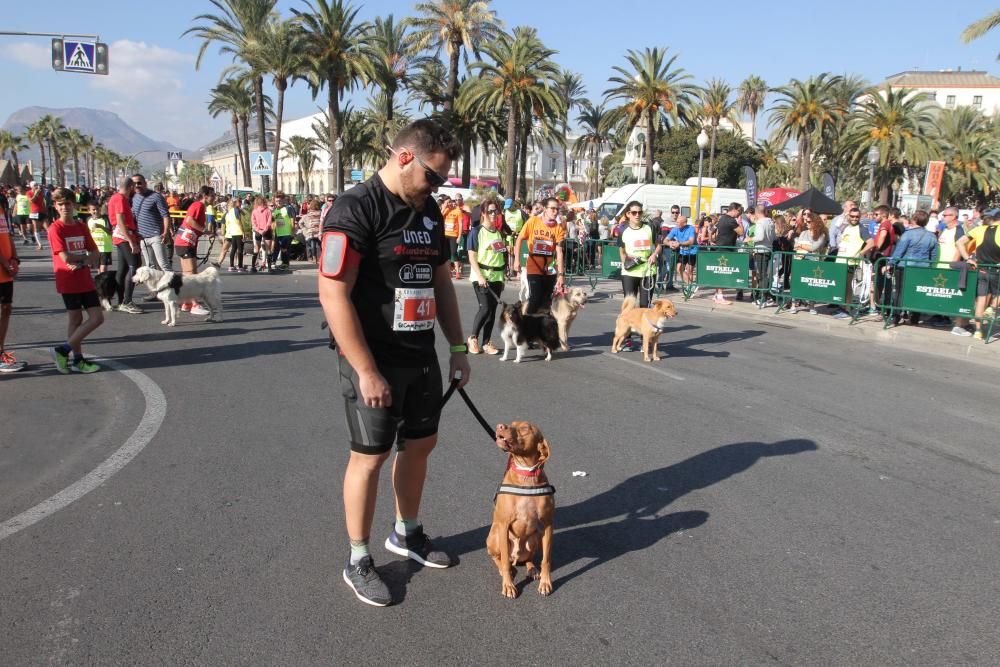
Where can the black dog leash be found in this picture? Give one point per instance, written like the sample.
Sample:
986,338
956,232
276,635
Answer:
491,432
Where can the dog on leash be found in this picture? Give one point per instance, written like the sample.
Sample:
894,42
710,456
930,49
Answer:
565,308
106,284
523,509
649,322
518,329
174,288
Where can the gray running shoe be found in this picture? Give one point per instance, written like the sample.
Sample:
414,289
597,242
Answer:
418,547
366,584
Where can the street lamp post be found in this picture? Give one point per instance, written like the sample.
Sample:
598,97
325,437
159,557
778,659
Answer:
656,171
873,156
338,146
702,145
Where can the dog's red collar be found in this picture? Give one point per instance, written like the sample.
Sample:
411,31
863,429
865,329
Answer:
533,471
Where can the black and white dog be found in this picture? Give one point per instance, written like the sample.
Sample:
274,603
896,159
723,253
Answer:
106,284
174,288
517,330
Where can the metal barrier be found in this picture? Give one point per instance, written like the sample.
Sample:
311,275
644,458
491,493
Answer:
732,267
921,286
817,278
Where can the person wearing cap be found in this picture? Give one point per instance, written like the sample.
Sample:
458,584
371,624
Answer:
980,246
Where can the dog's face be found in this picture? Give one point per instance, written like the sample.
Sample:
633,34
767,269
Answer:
511,313
142,274
664,308
577,297
524,440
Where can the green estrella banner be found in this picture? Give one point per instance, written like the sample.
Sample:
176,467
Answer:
825,282
723,269
611,261
935,291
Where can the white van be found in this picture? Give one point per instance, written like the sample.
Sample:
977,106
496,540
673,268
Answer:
714,199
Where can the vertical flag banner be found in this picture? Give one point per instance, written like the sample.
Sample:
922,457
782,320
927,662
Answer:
932,180
751,185
829,187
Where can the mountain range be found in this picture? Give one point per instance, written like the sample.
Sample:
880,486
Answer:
106,127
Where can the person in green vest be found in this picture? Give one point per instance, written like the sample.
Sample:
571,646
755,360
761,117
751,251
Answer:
234,235
22,217
639,255
487,263
100,231
210,219
514,219
282,224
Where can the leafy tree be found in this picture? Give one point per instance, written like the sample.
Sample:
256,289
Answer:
714,105
235,98
303,151
981,27
750,96
677,153
397,60
805,110
595,133
13,144
570,87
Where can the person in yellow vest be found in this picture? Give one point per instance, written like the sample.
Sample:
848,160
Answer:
487,263
210,219
22,217
282,224
234,235
639,255
100,231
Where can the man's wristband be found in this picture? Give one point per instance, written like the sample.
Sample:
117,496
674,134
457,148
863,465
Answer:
461,347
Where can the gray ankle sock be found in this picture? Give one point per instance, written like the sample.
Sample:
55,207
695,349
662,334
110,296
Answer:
359,549
406,526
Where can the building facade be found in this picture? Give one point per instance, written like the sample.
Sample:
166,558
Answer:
952,88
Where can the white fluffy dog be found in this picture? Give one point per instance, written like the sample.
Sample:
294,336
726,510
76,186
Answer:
174,288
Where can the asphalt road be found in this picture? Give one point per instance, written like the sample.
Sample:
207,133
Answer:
768,493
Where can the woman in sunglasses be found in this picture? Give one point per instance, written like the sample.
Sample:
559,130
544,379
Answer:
487,262
639,254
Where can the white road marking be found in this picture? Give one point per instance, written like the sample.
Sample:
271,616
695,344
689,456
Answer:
649,366
152,419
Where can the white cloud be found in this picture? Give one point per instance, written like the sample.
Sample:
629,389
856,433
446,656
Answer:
32,55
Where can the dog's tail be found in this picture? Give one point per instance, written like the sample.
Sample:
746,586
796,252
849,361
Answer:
210,270
628,303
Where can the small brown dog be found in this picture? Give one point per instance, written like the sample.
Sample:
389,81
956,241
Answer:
523,509
647,321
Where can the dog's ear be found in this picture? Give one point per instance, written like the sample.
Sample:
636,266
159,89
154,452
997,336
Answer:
544,451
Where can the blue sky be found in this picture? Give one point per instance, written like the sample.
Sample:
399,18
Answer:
154,86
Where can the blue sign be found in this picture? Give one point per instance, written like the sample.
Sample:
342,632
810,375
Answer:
79,56
357,175
260,163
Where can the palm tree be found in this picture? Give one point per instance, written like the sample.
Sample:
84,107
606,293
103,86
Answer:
54,132
75,142
280,53
473,125
750,96
714,105
595,132
454,25
13,144
425,87
234,97
804,110
973,164
900,124
238,28
36,133
338,56
303,151
521,75
571,89
775,171
981,27
396,58
651,90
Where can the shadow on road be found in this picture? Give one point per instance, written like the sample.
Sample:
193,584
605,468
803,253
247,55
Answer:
628,516
191,356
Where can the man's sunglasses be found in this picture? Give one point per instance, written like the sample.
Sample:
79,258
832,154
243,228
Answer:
434,179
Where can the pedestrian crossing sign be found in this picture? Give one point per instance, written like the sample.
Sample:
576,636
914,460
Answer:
72,55
260,163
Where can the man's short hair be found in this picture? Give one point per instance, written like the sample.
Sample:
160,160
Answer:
427,136
751,210
882,208
920,218
735,206
895,212
206,190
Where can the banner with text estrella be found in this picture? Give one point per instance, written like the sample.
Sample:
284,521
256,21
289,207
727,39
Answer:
723,269
823,282
937,291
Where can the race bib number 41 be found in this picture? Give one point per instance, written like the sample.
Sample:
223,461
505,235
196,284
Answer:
415,310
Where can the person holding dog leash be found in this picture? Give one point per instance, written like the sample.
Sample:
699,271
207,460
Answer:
639,255
384,278
544,236
487,263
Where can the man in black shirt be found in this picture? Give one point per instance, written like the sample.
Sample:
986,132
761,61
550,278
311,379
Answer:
727,232
384,279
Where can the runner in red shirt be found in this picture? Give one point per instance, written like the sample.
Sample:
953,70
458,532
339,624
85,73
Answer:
126,240
186,242
38,214
73,254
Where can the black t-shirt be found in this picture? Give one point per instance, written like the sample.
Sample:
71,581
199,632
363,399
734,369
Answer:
726,230
400,249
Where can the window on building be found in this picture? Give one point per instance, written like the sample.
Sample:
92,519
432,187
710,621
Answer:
977,101
576,167
949,101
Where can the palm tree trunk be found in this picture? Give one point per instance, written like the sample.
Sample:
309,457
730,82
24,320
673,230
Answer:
711,150
17,166
239,145
41,152
76,166
565,152
523,157
258,92
510,172
449,102
804,163
245,126
649,148
281,85
753,128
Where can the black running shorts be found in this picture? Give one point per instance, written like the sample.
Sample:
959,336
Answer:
7,292
81,301
415,410
186,252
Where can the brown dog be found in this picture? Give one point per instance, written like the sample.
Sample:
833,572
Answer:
523,510
646,321
565,308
